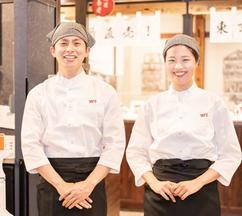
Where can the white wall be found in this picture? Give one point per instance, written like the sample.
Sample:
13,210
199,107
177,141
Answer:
130,82
130,60
213,70
171,23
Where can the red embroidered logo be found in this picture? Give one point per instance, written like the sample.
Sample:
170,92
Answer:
204,114
92,101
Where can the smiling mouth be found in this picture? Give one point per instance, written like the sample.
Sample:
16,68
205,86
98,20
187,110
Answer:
70,57
180,74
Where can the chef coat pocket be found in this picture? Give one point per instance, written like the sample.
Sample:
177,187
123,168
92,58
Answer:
90,114
202,125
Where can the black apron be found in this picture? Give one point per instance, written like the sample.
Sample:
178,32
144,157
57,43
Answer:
205,202
71,170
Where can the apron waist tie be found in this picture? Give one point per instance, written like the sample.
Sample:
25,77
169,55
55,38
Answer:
74,165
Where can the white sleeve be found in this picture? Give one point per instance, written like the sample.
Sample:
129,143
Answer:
228,147
138,147
32,130
113,141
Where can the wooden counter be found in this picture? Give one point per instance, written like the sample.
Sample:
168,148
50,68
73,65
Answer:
113,194
231,197
132,196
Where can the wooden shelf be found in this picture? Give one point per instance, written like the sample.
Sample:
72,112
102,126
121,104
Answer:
195,7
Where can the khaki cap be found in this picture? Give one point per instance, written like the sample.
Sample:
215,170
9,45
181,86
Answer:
182,39
70,29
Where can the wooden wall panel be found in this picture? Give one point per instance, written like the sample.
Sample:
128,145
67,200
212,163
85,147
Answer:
113,194
195,7
231,197
200,36
131,196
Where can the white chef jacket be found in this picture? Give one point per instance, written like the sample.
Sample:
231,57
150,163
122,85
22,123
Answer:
192,124
69,118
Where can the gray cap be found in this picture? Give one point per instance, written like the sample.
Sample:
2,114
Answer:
70,29
182,39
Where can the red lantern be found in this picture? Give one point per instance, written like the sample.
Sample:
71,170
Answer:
102,7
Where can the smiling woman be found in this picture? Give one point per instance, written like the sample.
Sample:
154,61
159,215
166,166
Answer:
180,66
185,139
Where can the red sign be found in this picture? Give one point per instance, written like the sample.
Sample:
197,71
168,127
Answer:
102,7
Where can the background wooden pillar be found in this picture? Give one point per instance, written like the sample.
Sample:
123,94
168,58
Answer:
200,36
20,73
81,11
32,64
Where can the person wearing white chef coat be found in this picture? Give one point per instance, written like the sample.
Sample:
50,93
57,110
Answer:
72,131
183,141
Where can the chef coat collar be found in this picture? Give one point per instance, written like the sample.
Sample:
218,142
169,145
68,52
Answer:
61,80
189,90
